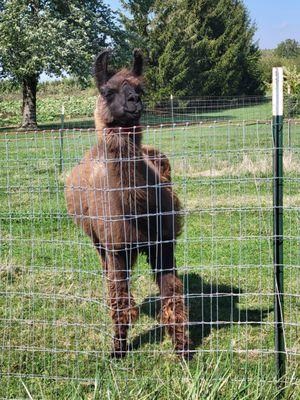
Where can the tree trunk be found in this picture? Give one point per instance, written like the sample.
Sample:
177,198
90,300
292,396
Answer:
29,102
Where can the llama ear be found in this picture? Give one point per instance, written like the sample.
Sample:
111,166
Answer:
138,61
100,68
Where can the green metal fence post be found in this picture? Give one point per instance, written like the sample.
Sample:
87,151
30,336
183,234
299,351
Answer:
61,139
278,222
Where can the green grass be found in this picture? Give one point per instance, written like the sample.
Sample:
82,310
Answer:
54,322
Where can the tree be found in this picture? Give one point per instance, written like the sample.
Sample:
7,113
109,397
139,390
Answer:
270,59
292,91
291,81
197,47
50,36
137,20
137,25
267,62
289,48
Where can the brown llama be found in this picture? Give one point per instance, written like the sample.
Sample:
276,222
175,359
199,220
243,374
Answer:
121,196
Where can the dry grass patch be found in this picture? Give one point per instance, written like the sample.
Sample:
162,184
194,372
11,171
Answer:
241,201
252,166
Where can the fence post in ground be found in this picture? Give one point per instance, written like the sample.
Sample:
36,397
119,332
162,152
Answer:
61,138
278,221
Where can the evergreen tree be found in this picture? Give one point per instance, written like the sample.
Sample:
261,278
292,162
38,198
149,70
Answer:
200,47
138,21
50,36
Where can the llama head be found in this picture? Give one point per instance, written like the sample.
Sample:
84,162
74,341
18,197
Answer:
119,102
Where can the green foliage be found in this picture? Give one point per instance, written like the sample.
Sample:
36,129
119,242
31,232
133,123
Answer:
292,91
8,86
267,62
52,36
67,85
77,106
195,47
289,48
270,59
292,80
137,26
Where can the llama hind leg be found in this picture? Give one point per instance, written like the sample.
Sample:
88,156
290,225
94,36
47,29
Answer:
173,313
122,305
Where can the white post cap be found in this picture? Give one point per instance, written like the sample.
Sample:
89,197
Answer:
277,89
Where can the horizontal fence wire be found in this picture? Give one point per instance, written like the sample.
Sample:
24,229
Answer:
78,112
55,325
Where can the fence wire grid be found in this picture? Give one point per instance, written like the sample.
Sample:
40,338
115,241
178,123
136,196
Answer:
55,326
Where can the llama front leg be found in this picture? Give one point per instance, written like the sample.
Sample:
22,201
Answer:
122,305
173,313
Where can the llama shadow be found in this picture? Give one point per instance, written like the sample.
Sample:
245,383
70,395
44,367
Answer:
210,307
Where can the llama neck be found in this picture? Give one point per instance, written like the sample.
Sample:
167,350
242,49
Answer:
121,143
122,150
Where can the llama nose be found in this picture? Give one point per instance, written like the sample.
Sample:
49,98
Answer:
133,97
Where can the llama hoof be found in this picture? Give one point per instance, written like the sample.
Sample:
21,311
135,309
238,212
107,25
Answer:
120,348
118,354
186,353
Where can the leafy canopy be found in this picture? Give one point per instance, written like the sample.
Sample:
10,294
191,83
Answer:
52,36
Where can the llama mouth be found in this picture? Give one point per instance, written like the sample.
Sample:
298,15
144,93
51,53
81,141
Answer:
134,111
129,119
133,115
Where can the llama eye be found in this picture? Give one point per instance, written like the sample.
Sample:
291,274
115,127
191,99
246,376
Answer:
107,93
139,90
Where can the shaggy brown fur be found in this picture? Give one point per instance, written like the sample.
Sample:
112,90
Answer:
121,196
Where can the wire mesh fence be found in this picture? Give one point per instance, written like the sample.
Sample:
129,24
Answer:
55,319
78,110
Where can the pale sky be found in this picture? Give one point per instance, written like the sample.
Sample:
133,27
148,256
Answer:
276,20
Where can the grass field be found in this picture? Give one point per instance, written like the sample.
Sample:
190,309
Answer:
54,322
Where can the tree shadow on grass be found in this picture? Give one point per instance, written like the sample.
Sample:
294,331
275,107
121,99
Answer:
210,307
